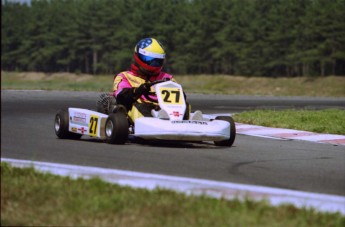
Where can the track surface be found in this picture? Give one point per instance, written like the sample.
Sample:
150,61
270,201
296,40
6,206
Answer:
27,133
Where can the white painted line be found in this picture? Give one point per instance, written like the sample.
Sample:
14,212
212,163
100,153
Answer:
242,126
289,134
263,131
282,133
267,137
191,186
318,137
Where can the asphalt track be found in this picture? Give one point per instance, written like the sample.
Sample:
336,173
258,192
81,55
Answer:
27,133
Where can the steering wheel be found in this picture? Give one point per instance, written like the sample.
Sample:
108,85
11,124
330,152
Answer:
147,95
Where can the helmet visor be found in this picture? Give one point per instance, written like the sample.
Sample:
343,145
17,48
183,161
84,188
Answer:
151,61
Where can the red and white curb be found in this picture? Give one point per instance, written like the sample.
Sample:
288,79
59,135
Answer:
289,134
191,186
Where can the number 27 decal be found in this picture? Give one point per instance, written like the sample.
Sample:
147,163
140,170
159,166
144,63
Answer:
93,125
171,95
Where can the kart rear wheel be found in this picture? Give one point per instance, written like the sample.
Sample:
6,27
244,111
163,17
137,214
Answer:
230,141
61,126
116,128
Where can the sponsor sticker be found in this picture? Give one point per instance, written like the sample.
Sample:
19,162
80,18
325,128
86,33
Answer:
79,118
190,122
82,130
176,113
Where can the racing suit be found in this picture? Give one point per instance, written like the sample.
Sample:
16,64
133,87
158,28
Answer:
124,87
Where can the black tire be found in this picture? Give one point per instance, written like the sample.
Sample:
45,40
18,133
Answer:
116,128
61,124
230,141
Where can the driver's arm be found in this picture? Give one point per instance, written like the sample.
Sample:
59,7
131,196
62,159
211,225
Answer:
127,96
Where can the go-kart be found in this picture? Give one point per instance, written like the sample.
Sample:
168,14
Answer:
116,127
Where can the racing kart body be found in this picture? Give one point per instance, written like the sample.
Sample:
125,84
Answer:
115,128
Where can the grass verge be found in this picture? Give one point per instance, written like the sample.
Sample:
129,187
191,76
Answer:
331,86
30,198
321,121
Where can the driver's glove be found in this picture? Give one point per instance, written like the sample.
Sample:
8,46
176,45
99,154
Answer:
142,89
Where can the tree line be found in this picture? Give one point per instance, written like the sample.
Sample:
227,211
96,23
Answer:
236,37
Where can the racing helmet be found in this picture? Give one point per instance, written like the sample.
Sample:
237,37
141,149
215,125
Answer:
149,56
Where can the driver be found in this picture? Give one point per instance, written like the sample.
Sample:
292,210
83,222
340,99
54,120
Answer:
131,86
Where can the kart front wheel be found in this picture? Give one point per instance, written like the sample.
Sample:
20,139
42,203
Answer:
230,141
61,126
116,128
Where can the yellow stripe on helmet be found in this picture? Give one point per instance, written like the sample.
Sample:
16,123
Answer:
151,54
155,47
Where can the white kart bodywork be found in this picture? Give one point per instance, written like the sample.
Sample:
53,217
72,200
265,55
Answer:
87,122
171,99
184,130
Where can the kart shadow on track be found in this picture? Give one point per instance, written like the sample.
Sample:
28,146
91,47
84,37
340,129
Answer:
175,144
161,143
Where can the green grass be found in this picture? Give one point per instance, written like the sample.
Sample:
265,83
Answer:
322,121
30,198
240,85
